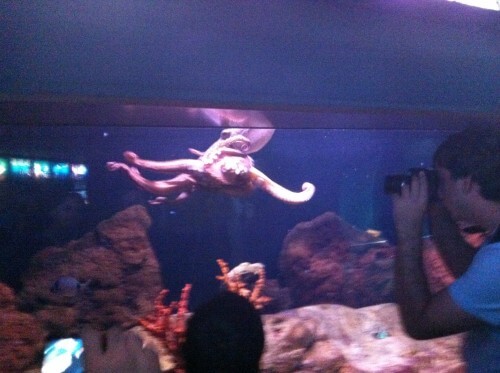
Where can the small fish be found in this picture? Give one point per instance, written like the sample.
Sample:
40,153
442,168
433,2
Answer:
69,287
378,242
365,246
374,233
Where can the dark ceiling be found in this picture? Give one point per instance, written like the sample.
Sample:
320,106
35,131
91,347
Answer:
351,64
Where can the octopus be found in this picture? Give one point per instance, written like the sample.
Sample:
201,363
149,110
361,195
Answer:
225,166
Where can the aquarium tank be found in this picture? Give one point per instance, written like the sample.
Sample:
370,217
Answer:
153,156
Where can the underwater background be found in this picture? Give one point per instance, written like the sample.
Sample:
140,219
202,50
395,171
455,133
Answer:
347,167
354,90
93,235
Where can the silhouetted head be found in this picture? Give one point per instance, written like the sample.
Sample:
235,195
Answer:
473,152
224,335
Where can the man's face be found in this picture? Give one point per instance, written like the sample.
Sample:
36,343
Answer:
458,202
451,194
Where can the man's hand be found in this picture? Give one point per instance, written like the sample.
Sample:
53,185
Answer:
409,208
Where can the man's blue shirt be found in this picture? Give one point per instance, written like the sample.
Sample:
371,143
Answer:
477,292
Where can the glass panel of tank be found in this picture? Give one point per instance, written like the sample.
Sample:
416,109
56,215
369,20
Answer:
230,188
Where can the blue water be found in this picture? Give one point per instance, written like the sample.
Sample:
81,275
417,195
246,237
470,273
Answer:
346,166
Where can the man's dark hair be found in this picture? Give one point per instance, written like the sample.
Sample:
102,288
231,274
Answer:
474,152
224,335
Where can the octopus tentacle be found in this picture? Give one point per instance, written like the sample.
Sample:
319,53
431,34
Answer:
182,184
224,166
265,183
195,152
178,165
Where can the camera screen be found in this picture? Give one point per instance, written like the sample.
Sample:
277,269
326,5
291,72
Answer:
63,355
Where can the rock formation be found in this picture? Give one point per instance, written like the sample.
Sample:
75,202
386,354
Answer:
21,336
323,261
326,260
334,338
117,270
330,338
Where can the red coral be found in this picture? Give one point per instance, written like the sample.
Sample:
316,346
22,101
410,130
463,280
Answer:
168,323
236,285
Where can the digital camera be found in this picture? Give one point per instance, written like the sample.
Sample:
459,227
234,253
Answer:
393,183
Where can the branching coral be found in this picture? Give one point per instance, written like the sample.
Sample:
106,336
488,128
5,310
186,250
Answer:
168,323
234,282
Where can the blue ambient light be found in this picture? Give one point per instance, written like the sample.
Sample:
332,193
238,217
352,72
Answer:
60,170
63,355
20,167
41,169
3,168
79,171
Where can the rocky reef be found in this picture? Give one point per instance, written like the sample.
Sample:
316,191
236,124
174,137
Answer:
332,338
327,260
116,273
329,268
21,335
335,338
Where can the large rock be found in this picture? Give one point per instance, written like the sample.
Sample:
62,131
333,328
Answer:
115,262
327,260
21,335
335,338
